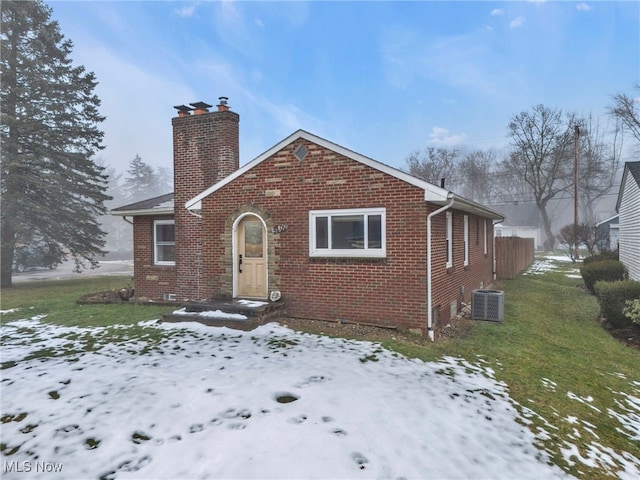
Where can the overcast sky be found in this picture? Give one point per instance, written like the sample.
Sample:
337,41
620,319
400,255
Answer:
381,78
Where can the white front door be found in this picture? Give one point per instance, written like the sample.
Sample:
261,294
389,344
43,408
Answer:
251,258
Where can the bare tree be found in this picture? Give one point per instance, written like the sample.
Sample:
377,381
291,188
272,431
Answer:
542,152
475,174
598,164
585,235
510,187
434,164
627,109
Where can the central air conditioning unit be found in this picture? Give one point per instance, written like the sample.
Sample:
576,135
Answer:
487,305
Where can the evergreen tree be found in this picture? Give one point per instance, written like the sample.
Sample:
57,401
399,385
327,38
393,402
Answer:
142,181
119,233
51,190
165,180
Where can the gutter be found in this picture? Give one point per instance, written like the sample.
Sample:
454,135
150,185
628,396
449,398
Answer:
429,286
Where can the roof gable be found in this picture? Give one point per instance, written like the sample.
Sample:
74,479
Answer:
432,193
633,169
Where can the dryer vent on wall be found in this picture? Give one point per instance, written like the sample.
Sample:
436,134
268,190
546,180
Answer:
487,305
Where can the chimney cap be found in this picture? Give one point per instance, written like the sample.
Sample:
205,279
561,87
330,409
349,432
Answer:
201,105
183,108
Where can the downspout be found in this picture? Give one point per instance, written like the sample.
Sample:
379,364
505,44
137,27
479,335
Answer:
124,217
493,249
199,265
429,286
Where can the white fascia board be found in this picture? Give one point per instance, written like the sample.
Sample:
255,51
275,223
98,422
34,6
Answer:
143,212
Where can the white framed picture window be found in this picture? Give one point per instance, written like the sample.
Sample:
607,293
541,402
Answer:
357,232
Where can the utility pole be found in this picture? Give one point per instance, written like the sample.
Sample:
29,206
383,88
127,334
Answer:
575,193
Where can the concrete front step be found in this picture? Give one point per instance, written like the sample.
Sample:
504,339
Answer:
239,314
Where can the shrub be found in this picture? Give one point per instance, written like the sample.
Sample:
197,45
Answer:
632,310
605,255
605,270
613,297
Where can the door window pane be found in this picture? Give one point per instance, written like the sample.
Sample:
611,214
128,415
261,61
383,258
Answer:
253,239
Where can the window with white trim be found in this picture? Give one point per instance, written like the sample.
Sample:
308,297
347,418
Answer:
449,237
347,233
164,242
466,240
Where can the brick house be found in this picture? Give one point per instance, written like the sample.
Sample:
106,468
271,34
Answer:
340,236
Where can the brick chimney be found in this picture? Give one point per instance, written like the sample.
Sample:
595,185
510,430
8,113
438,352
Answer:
205,150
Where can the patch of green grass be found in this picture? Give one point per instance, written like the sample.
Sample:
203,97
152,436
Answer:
558,362
57,300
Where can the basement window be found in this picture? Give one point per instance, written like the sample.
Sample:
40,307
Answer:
164,242
347,233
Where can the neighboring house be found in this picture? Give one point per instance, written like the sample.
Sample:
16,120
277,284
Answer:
628,208
607,234
342,237
520,221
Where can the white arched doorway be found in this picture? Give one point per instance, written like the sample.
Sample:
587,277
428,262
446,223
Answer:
250,257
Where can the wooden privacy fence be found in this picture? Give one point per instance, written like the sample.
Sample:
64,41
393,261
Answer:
513,254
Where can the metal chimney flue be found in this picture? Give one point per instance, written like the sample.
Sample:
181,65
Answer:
222,106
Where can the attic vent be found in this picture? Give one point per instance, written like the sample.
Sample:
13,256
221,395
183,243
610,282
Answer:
300,152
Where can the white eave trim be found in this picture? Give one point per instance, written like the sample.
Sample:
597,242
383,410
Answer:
143,212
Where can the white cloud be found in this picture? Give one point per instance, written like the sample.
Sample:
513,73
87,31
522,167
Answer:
186,11
259,22
497,11
516,22
583,7
461,61
442,136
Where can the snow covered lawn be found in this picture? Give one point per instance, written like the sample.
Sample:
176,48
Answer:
190,401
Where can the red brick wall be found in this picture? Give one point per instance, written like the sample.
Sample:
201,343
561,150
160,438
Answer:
456,283
390,291
151,281
205,150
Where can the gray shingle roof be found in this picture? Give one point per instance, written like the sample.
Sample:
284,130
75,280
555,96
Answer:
161,204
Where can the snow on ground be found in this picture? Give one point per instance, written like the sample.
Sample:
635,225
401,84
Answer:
205,402
550,262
